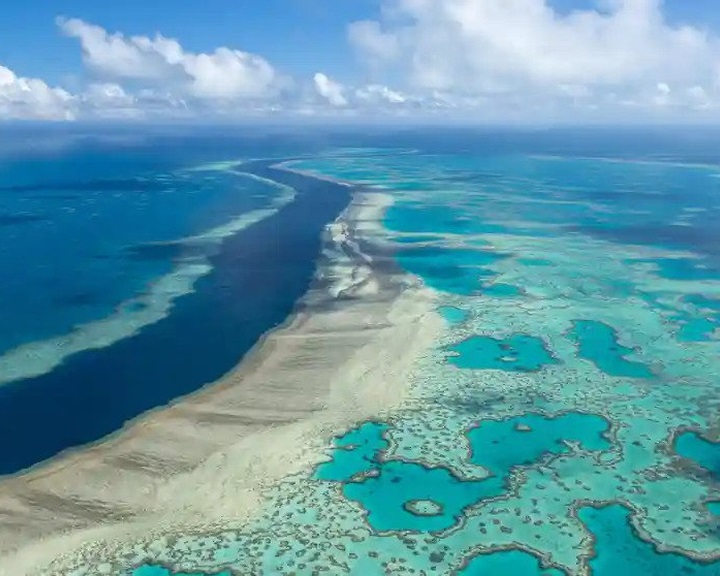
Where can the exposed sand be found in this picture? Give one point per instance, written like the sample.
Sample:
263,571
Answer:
206,459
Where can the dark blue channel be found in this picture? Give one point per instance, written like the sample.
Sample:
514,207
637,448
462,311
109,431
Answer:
258,276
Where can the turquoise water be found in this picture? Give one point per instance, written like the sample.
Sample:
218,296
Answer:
598,343
453,315
394,498
704,453
409,496
535,262
698,330
500,290
620,553
700,324
578,277
499,445
696,316
517,353
460,271
513,562
356,453
415,239
685,269
149,570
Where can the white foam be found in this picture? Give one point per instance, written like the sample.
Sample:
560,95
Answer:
39,357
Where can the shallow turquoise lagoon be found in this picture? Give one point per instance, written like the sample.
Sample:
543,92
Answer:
453,315
150,570
701,324
696,316
704,303
356,453
510,563
598,343
454,270
418,239
694,447
540,262
411,217
517,353
698,330
685,269
619,551
406,496
499,445
500,290
432,219
400,495
714,508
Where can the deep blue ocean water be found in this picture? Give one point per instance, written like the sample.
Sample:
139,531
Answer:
100,237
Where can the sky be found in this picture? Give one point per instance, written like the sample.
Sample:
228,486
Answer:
467,61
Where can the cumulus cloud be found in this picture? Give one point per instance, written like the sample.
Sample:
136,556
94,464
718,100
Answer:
478,60
369,38
332,97
112,101
380,94
32,99
224,74
497,49
330,90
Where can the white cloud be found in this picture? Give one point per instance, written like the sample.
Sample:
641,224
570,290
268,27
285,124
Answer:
109,95
369,38
698,98
380,93
230,74
32,99
498,49
224,74
355,100
469,60
329,90
662,98
112,101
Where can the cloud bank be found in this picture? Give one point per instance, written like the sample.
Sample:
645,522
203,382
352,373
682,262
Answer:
32,99
485,53
475,60
329,90
224,74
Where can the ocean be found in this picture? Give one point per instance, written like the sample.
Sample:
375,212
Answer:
135,274
565,420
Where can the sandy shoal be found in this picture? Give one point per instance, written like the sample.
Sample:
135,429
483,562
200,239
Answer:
208,458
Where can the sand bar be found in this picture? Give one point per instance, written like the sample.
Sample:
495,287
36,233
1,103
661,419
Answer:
346,355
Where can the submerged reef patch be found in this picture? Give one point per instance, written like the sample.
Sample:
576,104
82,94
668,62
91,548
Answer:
704,453
517,353
453,315
500,445
153,570
409,496
619,550
598,343
507,562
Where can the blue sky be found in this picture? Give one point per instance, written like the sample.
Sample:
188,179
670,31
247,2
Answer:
29,39
316,29
514,60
